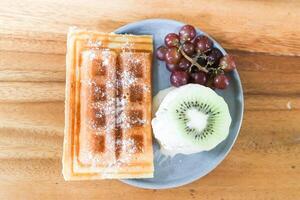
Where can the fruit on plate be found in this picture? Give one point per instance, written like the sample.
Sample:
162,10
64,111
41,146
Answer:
203,44
179,78
187,33
199,77
186,51
190,119
161,52
221,81
227,63
172,55
172,40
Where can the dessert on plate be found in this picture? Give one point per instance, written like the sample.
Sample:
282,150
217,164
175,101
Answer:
107,106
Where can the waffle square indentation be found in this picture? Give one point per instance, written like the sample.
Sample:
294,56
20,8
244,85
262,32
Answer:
98,143
98,92
135,93
97,117
135,118
98,69
137,69
138,143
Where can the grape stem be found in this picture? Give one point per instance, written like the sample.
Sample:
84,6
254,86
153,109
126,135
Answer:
194,62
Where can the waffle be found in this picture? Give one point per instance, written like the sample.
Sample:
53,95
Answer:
108,106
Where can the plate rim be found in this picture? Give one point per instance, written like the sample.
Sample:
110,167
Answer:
135,182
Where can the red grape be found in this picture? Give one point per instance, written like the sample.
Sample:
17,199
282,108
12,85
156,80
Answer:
172,40
227,63
172,67
199,77
161,52
203,44
184,64
179,78
214,56
173,56
187,33
188,48
221,81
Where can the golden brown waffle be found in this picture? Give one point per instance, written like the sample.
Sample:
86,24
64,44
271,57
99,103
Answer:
108,106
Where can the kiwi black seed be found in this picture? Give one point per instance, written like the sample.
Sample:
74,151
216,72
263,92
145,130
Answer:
201,107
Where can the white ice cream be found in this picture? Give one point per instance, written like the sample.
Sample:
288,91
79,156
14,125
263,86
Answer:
170,143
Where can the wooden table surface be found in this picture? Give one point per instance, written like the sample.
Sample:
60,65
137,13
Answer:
264,37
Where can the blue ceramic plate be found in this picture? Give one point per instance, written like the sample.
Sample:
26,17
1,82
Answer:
184,169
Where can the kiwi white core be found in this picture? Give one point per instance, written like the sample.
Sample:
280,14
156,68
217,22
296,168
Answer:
196,119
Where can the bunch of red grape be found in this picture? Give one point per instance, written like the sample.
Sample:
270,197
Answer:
194,59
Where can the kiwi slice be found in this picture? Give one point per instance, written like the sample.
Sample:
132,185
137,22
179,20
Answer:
191,118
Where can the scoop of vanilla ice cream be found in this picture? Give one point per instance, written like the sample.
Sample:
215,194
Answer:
170,142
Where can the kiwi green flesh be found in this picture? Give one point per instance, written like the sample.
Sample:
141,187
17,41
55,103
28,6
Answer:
218,120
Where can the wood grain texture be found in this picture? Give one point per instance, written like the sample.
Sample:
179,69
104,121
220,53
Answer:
260,26
265,161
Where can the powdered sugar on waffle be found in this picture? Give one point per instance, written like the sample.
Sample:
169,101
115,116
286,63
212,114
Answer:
94,43
127,79
114,107
127,45
128,146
